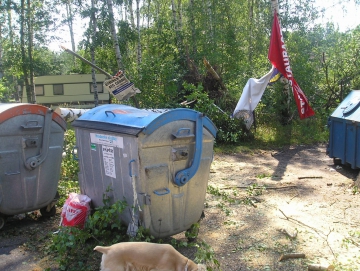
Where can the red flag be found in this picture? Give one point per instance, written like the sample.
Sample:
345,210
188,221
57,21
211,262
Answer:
279,58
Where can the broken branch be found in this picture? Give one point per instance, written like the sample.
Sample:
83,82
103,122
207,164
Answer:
317,267
310,177
266,187
291,256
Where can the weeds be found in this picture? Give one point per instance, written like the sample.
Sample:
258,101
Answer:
204,253
255,189
234,197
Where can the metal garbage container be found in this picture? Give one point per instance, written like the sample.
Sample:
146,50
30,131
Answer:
31,144
344,128
158,160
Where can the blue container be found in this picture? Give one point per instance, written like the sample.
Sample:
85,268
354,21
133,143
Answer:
157,160
344,126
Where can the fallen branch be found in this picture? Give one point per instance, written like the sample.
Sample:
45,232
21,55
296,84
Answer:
321,234
214,74
288,202
298,221
262,187
291,256
317,267
310,177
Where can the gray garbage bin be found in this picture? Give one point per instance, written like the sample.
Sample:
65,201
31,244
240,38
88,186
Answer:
158,160
31,142
344,131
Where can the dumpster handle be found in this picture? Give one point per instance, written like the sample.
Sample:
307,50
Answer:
75,157
130,168
183,176
162,192
108,111
183,133
35,161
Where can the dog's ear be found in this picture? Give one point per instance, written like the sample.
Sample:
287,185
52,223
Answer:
103,250
201,267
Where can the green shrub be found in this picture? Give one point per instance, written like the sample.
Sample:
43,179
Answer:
69,168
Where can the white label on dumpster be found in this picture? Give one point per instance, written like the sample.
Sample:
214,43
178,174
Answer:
109,140
109,161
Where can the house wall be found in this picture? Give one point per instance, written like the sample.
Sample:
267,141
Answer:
76,90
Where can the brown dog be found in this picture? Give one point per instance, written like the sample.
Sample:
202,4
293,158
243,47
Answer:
132,256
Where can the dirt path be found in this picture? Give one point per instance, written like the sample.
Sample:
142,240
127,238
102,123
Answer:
306,195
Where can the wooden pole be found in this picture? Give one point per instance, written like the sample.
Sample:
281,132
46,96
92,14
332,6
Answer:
275,6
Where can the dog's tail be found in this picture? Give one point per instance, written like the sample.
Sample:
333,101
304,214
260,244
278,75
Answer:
101,249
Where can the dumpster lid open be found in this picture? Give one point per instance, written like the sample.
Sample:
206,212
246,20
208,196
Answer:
129,120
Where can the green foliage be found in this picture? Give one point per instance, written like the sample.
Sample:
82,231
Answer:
204,253
192,233
71,249
105,223
69,168
255,189
230,130
231,198
72,245
2,92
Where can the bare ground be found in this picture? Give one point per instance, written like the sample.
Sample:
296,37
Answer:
306,196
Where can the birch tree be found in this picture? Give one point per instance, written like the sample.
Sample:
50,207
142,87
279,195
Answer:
24,58
92,51
139,53
2,20
114,36
30,50
128,6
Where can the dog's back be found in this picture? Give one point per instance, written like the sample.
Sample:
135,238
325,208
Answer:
143,256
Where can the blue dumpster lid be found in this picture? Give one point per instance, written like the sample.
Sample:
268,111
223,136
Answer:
348,108
130,120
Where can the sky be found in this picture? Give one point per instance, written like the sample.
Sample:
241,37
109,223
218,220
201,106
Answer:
346,19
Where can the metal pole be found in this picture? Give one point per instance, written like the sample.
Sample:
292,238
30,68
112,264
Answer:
86,61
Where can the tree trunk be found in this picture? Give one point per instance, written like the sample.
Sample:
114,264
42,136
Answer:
92,52
139,53
30,51
251,23
23,53
148,15
16,90
176,23
131,11
1,48
114,36
70,20
192,26
210,20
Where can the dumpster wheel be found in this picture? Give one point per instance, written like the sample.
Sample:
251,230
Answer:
50,210
46,213
337,161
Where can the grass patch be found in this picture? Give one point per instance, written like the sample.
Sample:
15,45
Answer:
274,135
